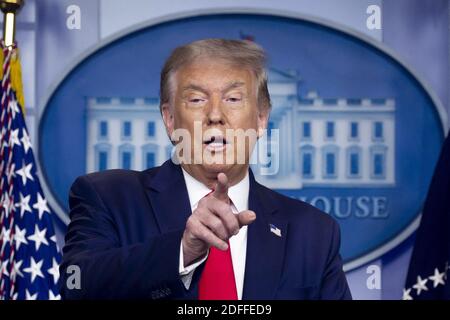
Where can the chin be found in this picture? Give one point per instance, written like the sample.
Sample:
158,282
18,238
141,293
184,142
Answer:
216,168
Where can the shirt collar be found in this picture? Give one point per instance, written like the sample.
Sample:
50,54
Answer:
237,193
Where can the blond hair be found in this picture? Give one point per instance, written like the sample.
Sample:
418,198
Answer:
242,53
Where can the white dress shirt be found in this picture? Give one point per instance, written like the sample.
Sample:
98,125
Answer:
238,195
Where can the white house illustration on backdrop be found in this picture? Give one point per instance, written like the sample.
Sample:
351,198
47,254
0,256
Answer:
339,142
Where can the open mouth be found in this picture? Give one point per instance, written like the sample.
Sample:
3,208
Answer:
215,143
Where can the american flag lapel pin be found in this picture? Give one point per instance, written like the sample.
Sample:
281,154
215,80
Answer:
275,230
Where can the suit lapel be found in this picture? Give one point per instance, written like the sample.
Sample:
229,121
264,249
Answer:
265,250
170,203
169,198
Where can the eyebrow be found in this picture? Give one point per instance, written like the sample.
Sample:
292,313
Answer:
233,85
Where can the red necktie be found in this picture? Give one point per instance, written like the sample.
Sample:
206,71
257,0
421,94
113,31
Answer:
217,281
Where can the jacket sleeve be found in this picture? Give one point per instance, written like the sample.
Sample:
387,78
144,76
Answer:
107,270
334,283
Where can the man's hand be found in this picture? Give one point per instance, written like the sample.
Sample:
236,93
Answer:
213,223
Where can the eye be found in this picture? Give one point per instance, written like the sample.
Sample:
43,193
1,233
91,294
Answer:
196,101
234,98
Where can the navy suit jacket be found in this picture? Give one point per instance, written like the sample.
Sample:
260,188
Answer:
126,229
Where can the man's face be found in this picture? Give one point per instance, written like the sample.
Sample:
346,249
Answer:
218,98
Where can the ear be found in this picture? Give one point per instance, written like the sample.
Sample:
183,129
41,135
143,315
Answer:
167,114
263,119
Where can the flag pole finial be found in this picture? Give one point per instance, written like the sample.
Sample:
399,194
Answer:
10,8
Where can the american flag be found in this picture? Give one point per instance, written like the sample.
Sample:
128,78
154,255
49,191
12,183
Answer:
429,268
29,256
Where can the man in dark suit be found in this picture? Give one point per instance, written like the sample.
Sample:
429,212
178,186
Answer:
200,226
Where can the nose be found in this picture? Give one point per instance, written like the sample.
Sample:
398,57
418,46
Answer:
215,114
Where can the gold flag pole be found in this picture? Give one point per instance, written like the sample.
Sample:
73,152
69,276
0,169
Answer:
10,8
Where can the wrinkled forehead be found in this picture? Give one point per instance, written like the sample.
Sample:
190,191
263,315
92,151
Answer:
214,73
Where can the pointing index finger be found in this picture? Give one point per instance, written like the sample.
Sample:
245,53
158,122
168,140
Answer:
221,190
